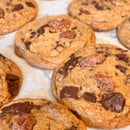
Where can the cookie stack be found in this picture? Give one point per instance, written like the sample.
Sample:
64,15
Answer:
90,81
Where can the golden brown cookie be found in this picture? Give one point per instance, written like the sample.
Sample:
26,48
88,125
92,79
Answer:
10,79
102,15
38,114
94,83
51,39
16,13
123,33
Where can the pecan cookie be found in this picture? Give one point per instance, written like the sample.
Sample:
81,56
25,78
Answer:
46,42
102,15
38,114
123,33
94,83
10,79
16,13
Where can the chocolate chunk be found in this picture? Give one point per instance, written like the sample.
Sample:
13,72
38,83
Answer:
91,61
70,64
74,28
2,13
18,108
84,11
73,128
104,82
102,7
113,101
122,57
1,57
69,92
24,122
13,84
89,97
18,7
12,77
63,72
32,34
30,4
121,68
13,87
75,113
68,34
27,44
41,30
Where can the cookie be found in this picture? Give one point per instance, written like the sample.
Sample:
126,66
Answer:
123,33
38,114
102,15
46,42
10,80
94,83
16,13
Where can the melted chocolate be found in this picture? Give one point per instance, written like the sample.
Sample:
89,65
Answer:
69,92
113,101
17,7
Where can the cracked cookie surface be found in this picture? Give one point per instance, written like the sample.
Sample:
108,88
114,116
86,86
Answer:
102,15
46,42
38,114
16,13
94,83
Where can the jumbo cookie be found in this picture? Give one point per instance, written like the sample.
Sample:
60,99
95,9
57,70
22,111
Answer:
123,33
46,42
16,13
102,15
38,114
10,80
94,83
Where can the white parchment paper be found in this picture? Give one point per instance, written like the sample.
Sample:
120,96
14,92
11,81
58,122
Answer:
37,82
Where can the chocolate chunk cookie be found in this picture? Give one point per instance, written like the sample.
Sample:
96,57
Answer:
16,13
46,42
123,33
94,83
38,114
10,79
102,15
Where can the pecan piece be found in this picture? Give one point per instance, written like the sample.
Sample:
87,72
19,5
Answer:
24,122
104,82
59,25
92,60
68,34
